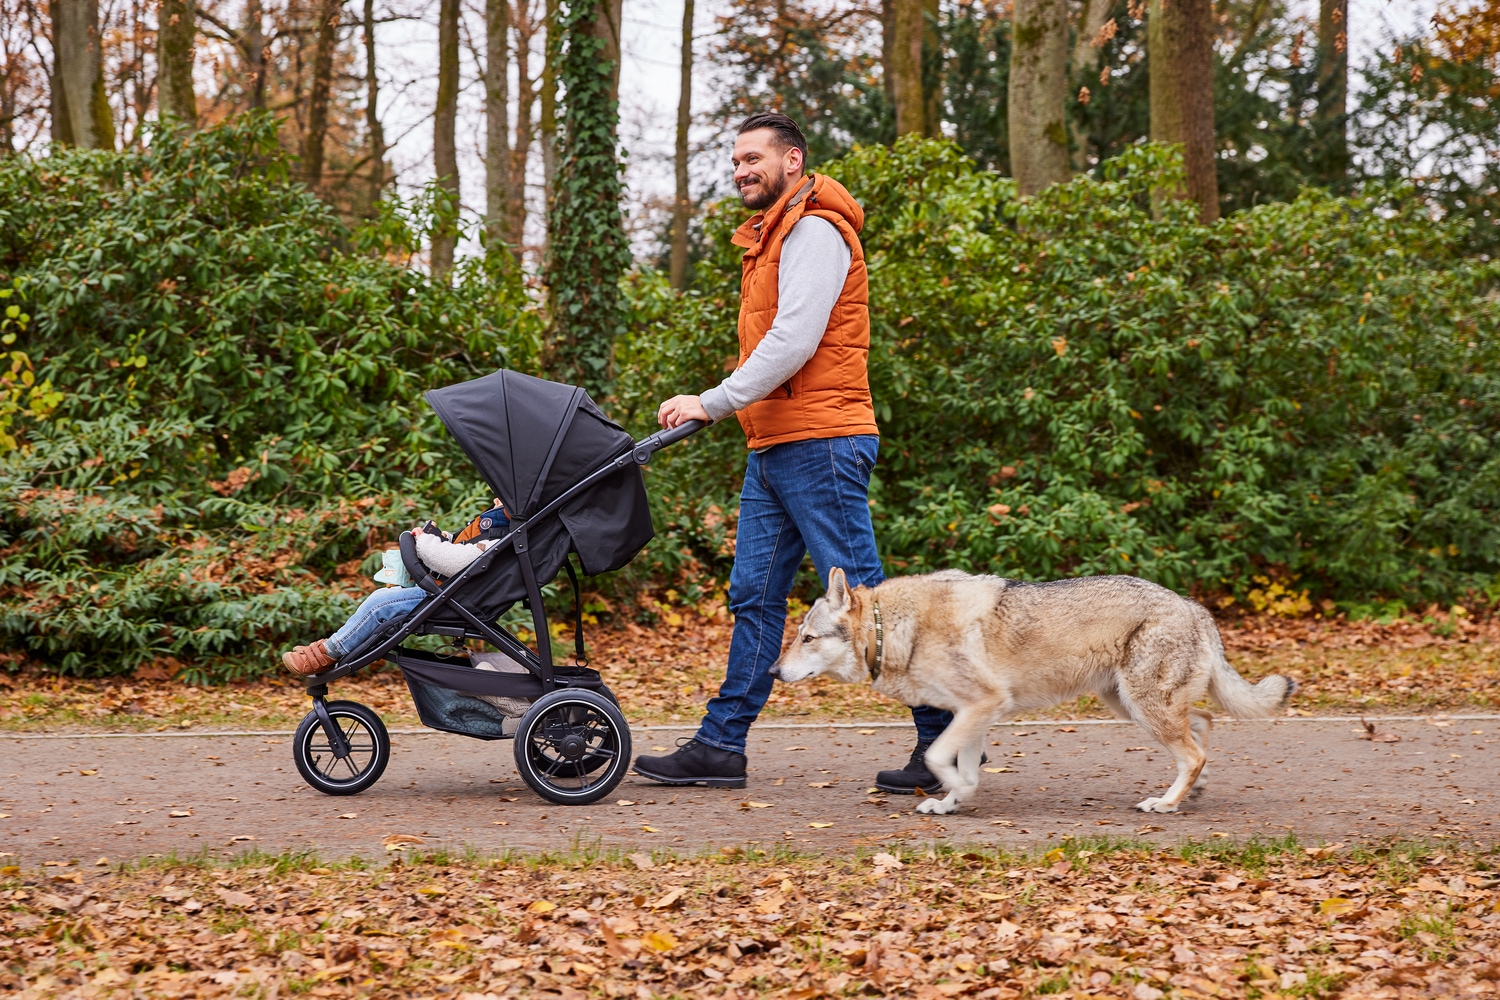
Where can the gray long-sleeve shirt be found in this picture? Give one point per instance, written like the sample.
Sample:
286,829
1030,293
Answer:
814,266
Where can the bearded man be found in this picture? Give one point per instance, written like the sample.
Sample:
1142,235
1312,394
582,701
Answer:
802,394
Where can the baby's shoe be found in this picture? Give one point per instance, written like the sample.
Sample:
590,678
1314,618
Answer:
308,659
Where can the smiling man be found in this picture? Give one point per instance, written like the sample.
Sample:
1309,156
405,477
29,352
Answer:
802,394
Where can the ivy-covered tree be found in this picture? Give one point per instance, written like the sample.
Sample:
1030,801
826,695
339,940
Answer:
588,252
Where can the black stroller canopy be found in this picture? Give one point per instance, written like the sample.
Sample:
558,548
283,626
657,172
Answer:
531,440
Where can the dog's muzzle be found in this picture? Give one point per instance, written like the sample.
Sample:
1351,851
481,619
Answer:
776,670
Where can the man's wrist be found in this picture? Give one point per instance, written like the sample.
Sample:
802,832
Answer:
716,403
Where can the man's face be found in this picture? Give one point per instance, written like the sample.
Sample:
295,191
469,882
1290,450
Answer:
762,169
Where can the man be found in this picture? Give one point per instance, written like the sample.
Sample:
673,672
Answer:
803,397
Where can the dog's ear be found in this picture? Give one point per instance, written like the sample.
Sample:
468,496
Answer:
838,590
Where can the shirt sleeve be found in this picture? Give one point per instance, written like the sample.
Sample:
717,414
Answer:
814,266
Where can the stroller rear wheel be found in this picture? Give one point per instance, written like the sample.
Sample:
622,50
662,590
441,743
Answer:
369,748
572,746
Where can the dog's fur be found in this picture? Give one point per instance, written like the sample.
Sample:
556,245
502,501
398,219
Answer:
987,649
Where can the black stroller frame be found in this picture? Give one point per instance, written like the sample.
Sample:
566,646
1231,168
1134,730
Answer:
572,746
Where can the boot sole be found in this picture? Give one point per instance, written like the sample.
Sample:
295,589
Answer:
707,782
893,790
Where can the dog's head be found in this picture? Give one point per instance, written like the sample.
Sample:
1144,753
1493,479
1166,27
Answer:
825,642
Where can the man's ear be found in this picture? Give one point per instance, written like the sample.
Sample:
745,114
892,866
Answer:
838,590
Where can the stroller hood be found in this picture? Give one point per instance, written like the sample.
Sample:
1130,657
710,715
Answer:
531,440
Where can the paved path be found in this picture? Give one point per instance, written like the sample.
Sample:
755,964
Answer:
82,798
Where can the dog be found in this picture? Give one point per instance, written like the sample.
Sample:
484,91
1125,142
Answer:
987,649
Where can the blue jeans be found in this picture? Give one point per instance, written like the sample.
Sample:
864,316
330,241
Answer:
800,497
373,612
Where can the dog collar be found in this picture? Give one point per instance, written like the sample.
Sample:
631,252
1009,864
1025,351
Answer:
879,647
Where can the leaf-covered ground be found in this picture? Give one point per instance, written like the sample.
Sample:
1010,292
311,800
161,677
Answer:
664,675
1085,918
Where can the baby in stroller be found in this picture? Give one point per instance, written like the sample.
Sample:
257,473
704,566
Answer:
445,554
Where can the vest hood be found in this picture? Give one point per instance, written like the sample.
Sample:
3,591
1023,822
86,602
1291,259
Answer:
826,194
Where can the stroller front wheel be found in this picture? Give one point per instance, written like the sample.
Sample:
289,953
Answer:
368,743
572,746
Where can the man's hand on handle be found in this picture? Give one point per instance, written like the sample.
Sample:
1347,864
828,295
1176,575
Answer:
680,409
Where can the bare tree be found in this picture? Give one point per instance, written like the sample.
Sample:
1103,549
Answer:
548,125
444,140
1331,117
526,24
1095,28
176,34
903,68
23,74
1038,94
329,14
498,168
81,114
1180,57
372,107
682,205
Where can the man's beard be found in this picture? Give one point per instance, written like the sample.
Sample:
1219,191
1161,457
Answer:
767,196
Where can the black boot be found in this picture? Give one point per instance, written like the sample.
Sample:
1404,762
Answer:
914,775
695,763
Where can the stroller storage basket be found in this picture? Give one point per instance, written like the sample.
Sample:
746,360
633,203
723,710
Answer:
444,689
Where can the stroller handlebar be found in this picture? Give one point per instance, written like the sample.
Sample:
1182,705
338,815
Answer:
648,446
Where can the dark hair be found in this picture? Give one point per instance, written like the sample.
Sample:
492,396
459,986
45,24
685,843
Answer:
787,131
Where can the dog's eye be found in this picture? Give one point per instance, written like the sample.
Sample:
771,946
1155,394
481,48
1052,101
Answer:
807,638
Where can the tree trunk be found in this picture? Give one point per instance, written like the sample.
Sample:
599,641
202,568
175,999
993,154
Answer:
888,49
444,140
548,125
520,150
1038,94
905,66
932,70
1330,120
606,27
1179,51
254,37
372,108
176,32
498,168
1083,64
329,13
682,204
80,70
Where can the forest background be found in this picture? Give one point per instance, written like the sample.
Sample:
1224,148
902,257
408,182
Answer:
1243,345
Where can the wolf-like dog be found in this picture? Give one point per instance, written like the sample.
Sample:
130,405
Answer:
987,648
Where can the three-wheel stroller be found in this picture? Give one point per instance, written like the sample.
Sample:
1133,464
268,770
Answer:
571,482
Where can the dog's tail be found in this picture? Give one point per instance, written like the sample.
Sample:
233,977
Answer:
1239,697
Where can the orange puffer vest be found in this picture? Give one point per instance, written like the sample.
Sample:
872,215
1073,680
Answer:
830,396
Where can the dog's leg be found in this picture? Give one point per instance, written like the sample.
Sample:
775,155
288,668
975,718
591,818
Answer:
959,774
1202,723
1176,736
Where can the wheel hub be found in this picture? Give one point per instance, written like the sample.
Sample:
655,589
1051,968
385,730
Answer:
573,746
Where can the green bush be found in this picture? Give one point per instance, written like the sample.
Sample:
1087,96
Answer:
1067,385
237,383
216,411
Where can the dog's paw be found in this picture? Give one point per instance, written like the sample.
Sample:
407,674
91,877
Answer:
939,806
1155,806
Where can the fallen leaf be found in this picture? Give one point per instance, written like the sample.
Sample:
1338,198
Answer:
348,815
820,826
396,841
659,941
789,749
89,771
669,900
755,805
541,906
234,897
433,890
1335,906
641,861
649,829
1377,737
624,802
999,770
180,813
